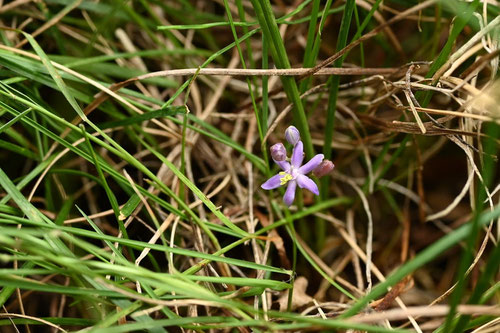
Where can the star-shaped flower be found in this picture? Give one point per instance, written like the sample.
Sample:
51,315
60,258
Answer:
294,173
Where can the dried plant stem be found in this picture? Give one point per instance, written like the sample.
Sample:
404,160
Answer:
468,45
432,311
269,72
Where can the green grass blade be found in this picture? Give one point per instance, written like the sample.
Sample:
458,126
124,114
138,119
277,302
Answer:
31,212
55,76
269,27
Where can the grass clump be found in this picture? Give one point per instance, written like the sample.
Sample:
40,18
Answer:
134,139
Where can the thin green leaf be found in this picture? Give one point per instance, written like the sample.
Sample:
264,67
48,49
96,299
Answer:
55,76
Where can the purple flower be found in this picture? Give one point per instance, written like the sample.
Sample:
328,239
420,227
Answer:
278,152
292,135
323,168
294,173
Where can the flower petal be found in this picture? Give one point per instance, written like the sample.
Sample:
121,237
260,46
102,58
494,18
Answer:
298,155
312,164
284,165
272,183
290,193
307,183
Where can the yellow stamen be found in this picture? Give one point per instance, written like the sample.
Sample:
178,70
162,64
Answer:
286,178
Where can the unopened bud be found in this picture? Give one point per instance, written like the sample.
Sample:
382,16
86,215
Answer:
324,168
278,152
292,135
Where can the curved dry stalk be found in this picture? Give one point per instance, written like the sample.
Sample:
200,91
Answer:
355,258
486,327
455,202
48,323
458,114
468,45
457,63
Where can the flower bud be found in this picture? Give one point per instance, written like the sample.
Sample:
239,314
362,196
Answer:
278,152
292,135
324,168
